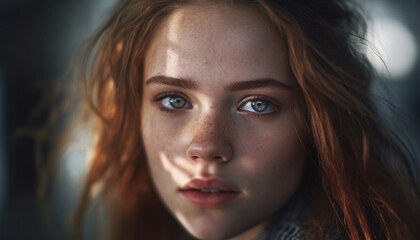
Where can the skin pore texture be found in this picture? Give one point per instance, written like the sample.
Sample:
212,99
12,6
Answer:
218,102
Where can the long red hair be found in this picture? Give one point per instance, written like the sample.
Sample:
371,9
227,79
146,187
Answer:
359,173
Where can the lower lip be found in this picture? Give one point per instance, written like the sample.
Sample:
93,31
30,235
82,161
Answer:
210,200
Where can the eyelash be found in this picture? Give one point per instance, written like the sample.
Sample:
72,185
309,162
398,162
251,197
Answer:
158,99
271,104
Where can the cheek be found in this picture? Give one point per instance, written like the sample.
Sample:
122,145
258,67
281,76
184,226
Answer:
157,135
163,148
280,161
276,158
156,147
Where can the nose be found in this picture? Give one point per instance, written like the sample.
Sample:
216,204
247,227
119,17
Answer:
210,140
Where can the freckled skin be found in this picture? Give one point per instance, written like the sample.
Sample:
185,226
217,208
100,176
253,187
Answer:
215,45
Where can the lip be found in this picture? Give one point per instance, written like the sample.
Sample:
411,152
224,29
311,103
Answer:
192,191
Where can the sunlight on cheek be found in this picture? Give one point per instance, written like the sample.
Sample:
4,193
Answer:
178,174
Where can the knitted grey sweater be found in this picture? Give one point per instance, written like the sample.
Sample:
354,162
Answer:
288,222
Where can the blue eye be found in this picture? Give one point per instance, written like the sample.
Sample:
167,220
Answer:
258,106
174,102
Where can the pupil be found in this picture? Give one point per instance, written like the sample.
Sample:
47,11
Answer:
177,102
259,106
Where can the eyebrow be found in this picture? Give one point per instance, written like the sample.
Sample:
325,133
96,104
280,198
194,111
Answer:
172,81
258,83
236,86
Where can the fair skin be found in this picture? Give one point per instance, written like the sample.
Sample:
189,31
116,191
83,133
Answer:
218,102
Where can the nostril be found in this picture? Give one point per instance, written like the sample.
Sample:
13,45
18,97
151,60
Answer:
209,151
208,157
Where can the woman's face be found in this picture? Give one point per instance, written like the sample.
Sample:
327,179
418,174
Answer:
218,120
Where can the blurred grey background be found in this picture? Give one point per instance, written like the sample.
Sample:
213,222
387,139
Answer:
37,40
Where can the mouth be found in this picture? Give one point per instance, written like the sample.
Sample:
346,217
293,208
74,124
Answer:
206,190
209,193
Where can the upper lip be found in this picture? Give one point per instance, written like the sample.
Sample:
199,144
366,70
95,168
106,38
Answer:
211,183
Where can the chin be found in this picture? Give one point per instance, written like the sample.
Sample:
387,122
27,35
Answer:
209,234
210,230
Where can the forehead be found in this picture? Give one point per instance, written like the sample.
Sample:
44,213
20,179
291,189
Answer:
217,42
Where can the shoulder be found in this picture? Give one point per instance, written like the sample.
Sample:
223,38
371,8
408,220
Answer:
290,229
290,223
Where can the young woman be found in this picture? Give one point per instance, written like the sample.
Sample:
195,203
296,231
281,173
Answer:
243,120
